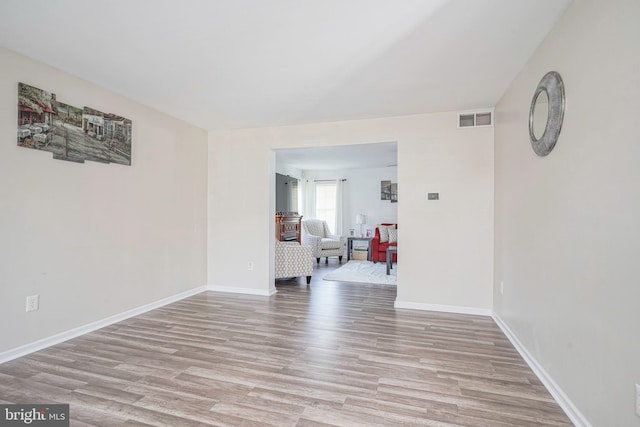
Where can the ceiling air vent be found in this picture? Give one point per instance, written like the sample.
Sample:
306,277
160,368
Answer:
474,120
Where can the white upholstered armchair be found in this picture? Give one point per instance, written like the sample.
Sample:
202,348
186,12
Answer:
293,260
315,233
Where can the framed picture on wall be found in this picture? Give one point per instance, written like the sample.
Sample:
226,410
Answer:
385,190
389,191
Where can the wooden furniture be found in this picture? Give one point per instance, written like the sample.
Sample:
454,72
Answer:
350,246
288,227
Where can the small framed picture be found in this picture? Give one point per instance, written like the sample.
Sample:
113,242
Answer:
368,232
352,232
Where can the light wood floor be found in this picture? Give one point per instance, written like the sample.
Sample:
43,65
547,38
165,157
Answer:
332,354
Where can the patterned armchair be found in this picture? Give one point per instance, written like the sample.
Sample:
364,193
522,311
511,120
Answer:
293,260
315,233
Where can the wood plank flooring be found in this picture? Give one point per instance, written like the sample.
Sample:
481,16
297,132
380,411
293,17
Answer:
331,354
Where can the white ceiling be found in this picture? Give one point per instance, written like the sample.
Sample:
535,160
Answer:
248,63
343,157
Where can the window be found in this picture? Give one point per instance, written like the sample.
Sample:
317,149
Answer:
326,203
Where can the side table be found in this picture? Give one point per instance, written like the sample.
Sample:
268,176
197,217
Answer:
364,239
390,251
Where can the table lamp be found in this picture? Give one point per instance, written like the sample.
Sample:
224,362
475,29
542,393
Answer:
361,219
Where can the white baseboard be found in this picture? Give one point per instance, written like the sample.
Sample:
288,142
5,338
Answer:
561,398
81,330
444,308
247,291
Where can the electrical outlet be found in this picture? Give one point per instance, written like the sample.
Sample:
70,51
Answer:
250,265
501,288
638,400
32,303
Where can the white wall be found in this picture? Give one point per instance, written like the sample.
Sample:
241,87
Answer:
446,252
362,195
288,170
95,240
567,228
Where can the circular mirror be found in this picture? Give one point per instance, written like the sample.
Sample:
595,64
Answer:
546,113
540,114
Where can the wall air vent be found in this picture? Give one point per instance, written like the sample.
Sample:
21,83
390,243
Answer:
474,120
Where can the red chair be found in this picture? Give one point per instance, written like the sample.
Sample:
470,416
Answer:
379,250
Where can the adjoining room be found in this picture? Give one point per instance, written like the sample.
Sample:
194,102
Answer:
334,199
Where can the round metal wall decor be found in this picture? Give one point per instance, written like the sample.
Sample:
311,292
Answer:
546,113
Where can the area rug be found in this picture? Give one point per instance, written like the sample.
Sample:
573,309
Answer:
364,272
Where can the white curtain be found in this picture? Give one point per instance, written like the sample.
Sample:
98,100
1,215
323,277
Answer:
339,206
307,198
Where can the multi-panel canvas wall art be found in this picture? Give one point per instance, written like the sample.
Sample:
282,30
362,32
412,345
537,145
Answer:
385,190
389,191
71,133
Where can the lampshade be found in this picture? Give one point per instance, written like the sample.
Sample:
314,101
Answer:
361,219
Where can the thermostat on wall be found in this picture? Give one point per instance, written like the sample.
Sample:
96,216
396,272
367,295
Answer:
433,196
